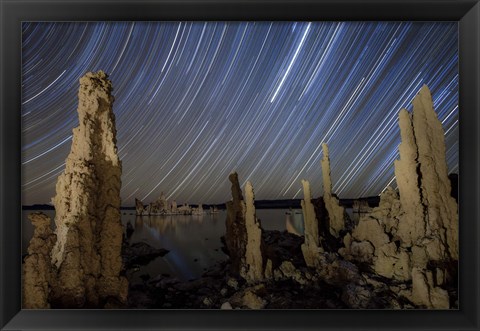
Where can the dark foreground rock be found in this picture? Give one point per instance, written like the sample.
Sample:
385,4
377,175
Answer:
339,285
140,253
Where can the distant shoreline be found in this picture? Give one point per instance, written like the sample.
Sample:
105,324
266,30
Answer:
259,204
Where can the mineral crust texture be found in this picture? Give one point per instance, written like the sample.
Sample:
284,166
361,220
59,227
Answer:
87,253
37,271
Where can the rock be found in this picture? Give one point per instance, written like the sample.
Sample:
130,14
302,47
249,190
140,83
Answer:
254,268
440,276
422,178
411,226
139,207
244,235
164,283
336,271
362,251
346,251
392,262
370,229
89,232
140,253
253,301
236,235
442,209
226,305
184,210
138,299
269,270
249,297
425,293
288,270
336,213
356,297
37,270
207,302
413,235
373,245
198,211
233,283
173,207
388,210
343,272
160,206
419,256
281,246
311,247
372,240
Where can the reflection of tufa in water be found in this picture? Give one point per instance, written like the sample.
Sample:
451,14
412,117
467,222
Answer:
213,210
129,230
294,223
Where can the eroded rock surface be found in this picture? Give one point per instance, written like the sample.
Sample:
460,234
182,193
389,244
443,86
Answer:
236,235
243,237
87,204
311,248
336,213
38,273
139,207
412,235
254,268
430,212
159,206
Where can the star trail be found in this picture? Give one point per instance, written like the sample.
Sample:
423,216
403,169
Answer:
195,101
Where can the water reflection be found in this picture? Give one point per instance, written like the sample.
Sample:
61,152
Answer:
193,240
294,223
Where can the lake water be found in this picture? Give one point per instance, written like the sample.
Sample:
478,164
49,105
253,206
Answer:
193,241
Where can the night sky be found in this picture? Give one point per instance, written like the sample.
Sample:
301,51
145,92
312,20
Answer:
195,101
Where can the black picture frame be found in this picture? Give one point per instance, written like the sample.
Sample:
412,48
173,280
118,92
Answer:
13,12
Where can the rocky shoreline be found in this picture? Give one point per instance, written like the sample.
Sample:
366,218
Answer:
342,285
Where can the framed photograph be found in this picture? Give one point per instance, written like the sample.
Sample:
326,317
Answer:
239,165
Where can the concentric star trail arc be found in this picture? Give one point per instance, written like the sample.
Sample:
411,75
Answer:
195,101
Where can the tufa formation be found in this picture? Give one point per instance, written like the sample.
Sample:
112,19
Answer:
139,207
413,235
37,271
401,254
311,246
254,266
86,257
243,236
336,213
423,164
235,236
